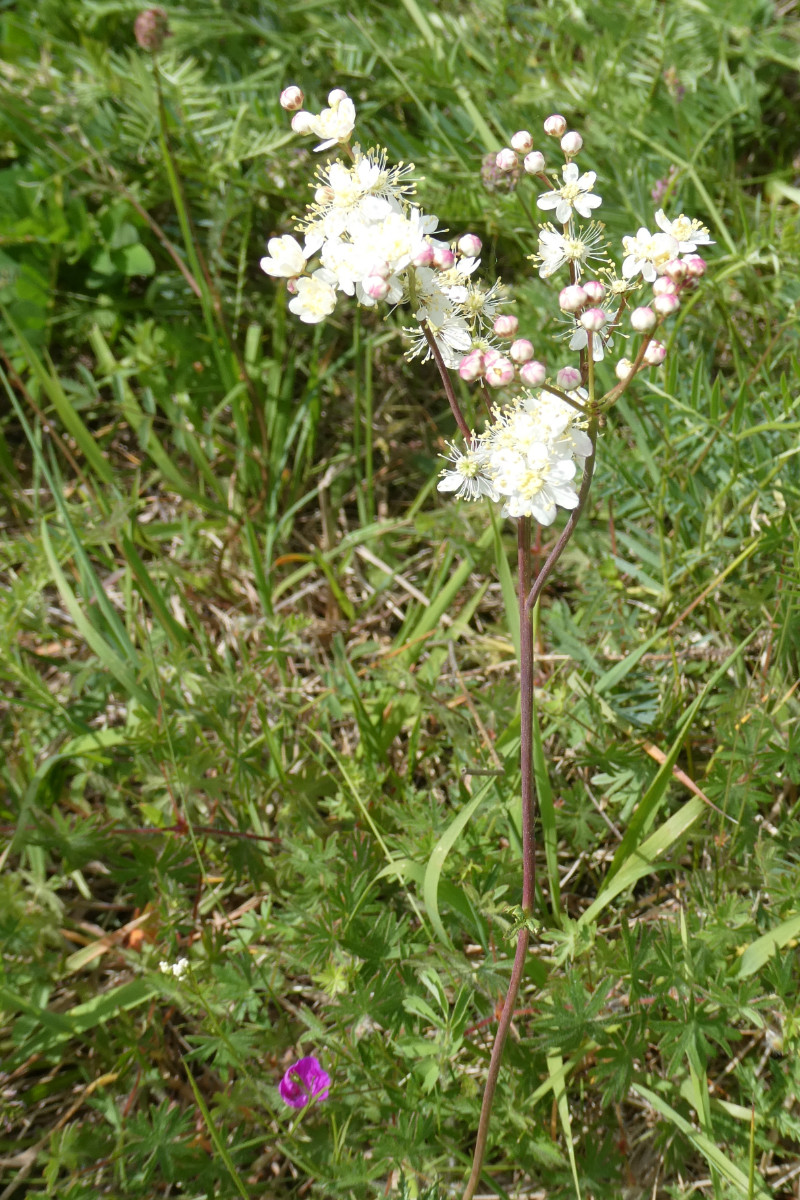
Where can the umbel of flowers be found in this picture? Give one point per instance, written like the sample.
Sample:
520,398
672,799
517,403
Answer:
365,236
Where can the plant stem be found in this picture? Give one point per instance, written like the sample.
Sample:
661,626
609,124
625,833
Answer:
446,381
528,847
528,595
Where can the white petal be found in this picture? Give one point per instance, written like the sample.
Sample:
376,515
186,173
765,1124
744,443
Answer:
548,200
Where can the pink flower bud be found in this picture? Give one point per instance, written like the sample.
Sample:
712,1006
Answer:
594,319
380,268
470,245
594,289
534,162
663,287
443,258
490,357
336,97
471,366
376,287
292,98
506,160
506,325
522,142
303,122
695,266
424,255
150,28
533,374
624,369
500,373
568,378
521,351
666,305
655,353
556,125
643,320
571,143
572,298
675,270
291,286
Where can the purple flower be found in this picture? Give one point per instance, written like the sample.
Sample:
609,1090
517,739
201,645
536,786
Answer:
303,1082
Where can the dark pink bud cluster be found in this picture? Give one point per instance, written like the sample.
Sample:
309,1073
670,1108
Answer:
150,29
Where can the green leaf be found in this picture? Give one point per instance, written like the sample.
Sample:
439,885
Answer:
430,884
759,952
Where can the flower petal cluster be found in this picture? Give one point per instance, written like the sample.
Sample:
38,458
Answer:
688,232
576,247
304,1081
646,253
527,459
576,194
334,124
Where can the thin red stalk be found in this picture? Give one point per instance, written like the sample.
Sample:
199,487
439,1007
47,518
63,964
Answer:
446,381
528,848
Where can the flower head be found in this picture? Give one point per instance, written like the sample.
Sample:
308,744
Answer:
286,258
315,298
304,1081
647,252
555,248
334,124
467,475
576,193
688,233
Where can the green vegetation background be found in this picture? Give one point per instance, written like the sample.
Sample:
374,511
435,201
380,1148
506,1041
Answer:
248,654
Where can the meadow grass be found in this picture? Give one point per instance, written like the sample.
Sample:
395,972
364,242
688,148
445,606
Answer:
255,671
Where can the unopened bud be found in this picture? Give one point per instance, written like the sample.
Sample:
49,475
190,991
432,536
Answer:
663,286
336,97
506,160
572,298
380,268
151,28
695,266
571,143
470,245
655,353
594,319
521,351
556,125
490,357
423,256
376,287
676,270
522,142
471,366
303,122
291,286
533,374
292,98
506,325
666,305
534,162
568,378
500,373
443,258
643,320
624,369
594,289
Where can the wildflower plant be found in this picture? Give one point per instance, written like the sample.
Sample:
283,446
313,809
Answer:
366,237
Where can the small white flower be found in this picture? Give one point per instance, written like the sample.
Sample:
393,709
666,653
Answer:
575,194
335,124
555,249
466,477
688,233
177,969
647,252
315,299
286,258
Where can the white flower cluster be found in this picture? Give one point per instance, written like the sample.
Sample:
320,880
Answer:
177,969
527,458
375,244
